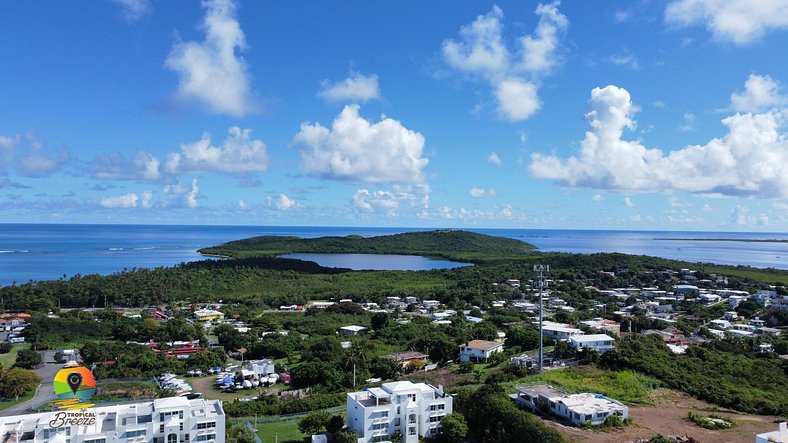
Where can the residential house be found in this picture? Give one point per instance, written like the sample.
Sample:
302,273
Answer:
479,350
208,315
599,342
353,330
578,409
413,409
404,358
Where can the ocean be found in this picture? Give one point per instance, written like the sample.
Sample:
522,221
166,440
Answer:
50,251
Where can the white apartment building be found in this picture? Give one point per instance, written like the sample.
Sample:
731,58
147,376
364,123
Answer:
414,409
559,331
164,420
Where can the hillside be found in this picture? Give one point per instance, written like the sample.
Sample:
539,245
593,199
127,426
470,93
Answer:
442,243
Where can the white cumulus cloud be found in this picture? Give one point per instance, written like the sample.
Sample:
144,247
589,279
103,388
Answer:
494,159
356,88
512,74
517,99
283,203
737,21
481,192
141,166
749,160
761,92
356,150
210,72
239,153
180,195
120,201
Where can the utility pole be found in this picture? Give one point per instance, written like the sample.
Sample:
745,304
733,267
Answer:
540,273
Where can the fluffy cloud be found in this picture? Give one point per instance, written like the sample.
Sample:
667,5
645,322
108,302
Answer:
481,192
142,166
627,60
179,195
689,122
356,88
738,21
517,99
238,154
597,198
283,203
494,159
210,72
761,93
481,53
134,10
120,201
357,150
747,161
539,51
389,202
628,202
8,143
39,162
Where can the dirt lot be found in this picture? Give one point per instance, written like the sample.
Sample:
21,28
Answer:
668,416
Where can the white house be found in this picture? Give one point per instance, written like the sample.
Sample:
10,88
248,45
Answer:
414,409
720,324
164,420
599,342
353,330
556,331
260,369
778,436
479,350
577,408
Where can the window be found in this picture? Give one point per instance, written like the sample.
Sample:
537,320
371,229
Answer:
206,437
436,419
134,434
412,419
439,407
207,425
96,440
165,415
172,438
379,426
412,430
144,419
384,414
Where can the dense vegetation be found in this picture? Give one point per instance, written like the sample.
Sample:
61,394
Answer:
728,379
444,243
492,417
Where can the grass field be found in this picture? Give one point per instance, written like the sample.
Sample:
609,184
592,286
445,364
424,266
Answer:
625,386
281,431
9,359
22,398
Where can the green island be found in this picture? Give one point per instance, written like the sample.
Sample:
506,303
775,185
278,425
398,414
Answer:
268,311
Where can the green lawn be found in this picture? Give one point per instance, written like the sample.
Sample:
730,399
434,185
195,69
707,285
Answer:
625,386
9,359
22,398
286,431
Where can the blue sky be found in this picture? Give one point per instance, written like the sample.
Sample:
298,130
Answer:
600,115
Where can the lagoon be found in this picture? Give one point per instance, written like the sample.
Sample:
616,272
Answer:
376,262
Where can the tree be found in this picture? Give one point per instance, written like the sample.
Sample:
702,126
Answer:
380,320
397,437
346,437
27,359
454,428
335,424
17,381
238,433
524,339
314,422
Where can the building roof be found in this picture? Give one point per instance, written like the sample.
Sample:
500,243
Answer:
591,337
354,328
405,355
484,345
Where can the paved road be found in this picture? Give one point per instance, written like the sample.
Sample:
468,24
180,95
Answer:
46,389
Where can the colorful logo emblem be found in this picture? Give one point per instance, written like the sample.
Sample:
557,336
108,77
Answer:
73,387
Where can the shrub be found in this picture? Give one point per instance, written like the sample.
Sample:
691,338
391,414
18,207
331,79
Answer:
5,348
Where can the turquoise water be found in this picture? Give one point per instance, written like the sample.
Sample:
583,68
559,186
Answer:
48,251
